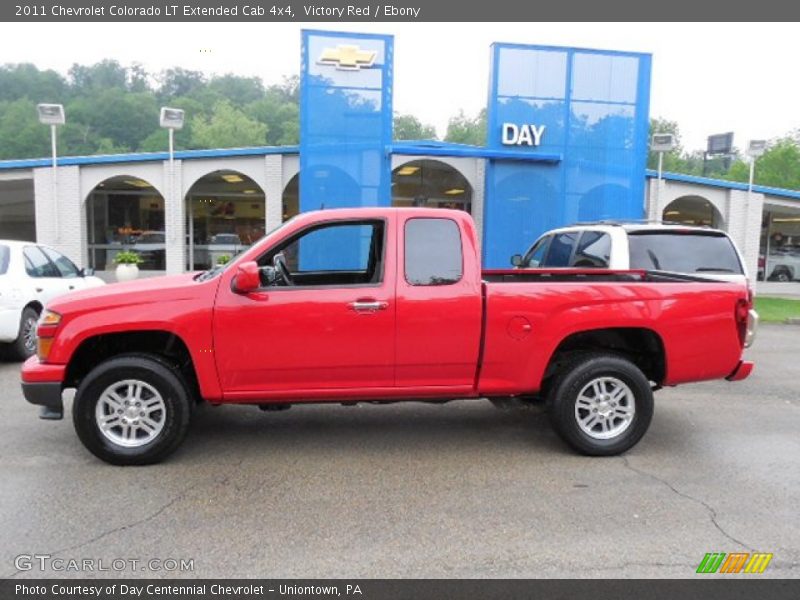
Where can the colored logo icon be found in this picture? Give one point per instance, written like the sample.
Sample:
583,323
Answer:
735,562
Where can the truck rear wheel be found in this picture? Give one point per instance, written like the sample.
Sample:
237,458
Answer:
132,410
601,404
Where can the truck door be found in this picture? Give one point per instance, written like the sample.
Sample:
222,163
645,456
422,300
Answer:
439,305
330,327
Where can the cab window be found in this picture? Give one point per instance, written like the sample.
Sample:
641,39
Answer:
561,249
339,253
593,251
432,252
536,254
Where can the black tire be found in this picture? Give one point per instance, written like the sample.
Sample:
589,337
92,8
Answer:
781,273
169,384
19,348
578,373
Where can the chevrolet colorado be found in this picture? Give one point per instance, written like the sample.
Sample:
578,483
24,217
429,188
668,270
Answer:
381,305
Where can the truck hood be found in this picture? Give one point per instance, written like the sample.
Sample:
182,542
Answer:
141,291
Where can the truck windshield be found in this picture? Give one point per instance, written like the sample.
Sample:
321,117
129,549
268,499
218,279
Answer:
683,252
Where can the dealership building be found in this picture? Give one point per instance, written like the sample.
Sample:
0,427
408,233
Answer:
567,141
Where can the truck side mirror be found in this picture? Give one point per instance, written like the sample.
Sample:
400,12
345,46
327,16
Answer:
516,260
86,272
247,278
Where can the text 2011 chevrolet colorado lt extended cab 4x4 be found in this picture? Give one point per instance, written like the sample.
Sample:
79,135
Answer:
380,305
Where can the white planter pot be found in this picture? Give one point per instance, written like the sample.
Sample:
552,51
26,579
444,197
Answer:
127,272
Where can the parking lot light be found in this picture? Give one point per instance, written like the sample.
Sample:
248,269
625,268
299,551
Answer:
53,115
661,143
171,119
754,149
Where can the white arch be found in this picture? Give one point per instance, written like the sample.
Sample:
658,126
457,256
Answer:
194,170
718,218
465,166
151,172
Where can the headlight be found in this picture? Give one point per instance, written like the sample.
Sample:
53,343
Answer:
45,333
49,319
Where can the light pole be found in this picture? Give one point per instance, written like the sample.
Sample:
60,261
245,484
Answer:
661,143
171,119
755,149
53,115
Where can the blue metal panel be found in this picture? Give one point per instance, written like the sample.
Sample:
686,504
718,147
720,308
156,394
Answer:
594,108
345,120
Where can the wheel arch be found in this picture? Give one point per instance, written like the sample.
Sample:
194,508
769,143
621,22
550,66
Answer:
642,346
35,305
166,346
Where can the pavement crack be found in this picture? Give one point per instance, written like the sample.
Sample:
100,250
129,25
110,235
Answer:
153,515
712,512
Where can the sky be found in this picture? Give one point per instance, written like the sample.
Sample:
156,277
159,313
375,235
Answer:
710,78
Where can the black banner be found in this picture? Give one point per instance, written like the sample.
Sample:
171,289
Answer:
734,588
401,10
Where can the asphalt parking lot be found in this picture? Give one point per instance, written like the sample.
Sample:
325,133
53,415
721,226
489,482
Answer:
412,490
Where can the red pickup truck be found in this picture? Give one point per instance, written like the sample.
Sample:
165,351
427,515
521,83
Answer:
380,305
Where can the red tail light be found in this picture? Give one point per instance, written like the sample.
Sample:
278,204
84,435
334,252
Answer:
741,314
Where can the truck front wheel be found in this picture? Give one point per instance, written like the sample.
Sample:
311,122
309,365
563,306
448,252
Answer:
601,404
132,410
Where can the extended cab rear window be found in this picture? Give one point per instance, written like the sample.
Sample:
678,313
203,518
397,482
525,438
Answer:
433,252
683,252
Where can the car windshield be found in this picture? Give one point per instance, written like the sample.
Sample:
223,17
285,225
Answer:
683,252
151,238
225,238
4,255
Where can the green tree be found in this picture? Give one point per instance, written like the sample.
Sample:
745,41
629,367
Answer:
179,82
126,118
239,90
158,140
99,76
282,119
462,129
227,127
409,127
26,81
21,134
674,160
779,166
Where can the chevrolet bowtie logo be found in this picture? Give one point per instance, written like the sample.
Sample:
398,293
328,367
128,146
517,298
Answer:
347,58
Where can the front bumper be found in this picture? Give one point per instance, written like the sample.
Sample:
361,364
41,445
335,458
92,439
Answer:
41,385
46,395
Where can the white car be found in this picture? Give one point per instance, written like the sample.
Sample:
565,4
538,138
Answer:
672,248
30,276
698,251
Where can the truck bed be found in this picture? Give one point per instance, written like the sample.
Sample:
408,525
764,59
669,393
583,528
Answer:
530,314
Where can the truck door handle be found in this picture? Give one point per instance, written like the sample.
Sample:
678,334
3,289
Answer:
368,305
